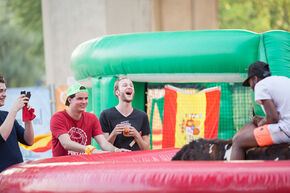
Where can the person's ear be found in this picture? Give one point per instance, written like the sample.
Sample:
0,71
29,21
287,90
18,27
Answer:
69,100
117,93
255,79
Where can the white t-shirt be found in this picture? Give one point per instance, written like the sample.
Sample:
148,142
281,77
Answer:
276,88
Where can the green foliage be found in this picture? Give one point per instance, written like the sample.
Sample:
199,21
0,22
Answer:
18,65
27,14
21,42
254,15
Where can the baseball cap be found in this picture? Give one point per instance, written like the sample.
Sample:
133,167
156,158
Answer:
259,69
74,89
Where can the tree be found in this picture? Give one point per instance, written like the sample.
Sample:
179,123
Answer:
21,42
17,64
27,14
255,15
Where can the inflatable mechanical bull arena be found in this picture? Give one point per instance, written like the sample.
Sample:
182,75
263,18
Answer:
191,56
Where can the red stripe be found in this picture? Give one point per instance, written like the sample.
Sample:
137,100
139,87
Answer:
157,132
156,143
211,123
169,120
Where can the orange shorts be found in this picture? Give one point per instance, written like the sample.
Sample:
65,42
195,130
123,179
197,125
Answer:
263,136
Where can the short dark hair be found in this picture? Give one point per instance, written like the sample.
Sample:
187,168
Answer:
2,79
73,95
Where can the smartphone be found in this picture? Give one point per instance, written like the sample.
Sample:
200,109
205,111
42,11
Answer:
27,94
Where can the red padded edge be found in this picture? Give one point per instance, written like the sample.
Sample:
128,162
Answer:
144,171
210,177
134,156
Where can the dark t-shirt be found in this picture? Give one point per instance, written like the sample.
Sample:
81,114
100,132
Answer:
10,153
111,117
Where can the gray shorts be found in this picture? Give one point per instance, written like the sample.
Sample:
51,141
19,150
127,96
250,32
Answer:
277,134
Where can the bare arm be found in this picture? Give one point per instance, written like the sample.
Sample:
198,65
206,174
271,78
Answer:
6,127
68,144
142,141
258,120
272,115
104,144
112,136
29,133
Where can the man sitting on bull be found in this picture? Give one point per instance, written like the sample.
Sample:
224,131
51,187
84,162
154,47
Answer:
273,94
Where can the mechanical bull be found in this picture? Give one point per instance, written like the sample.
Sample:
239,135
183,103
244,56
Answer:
218,149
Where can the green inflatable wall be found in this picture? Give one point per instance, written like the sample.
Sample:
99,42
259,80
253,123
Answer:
175,56
166,52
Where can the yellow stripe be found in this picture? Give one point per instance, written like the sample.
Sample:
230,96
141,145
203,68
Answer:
190,117
157,137
40,141
156,126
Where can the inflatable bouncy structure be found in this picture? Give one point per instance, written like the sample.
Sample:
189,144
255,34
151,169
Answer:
190,56
181,56
144,171
162,57
216,57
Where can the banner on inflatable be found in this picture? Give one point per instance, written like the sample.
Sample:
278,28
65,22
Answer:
42,143
60,96
156,122
190,116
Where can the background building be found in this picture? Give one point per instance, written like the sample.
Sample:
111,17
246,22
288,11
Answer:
68,23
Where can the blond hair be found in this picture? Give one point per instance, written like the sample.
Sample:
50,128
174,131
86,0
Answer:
116,85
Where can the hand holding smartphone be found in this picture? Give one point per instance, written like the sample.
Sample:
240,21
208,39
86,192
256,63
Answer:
27,94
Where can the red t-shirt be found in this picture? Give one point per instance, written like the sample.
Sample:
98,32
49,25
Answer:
80,131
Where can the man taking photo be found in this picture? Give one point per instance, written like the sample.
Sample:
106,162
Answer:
11,132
